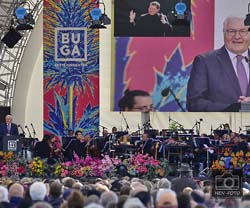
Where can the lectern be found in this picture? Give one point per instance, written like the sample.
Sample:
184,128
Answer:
11,143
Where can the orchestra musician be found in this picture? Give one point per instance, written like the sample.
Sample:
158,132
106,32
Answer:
145,144
45,149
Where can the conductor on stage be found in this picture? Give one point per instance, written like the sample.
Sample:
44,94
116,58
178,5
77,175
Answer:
8,128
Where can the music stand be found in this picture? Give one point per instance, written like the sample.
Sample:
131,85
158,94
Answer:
205,144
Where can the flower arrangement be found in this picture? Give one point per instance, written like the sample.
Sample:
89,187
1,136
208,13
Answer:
232,160
146,166
136,165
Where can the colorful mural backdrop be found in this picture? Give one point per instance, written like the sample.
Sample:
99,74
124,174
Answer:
71,67
155,64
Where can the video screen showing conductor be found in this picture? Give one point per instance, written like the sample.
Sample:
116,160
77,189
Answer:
150,18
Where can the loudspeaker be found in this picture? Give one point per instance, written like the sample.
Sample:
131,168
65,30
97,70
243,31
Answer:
11,38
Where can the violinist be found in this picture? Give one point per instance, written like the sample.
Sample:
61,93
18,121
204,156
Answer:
90,145
79,146
45,150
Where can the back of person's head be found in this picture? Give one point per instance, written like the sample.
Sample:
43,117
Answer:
92,199
184,200
68,182
137,187
164,183
166,198
230,203
4,195
133,203
37,191
77,185
16,190
122,199
76,199
148,184
144,197
93,205
187,190
108,197
198,196
55,189
125,189
41,205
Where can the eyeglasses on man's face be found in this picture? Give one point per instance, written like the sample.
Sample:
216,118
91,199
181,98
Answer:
241,32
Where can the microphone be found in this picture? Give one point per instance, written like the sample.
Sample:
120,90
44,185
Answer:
168,90
23,132
165,92
34,132
28,131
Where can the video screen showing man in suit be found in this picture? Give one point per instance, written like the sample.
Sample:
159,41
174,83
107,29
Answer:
220,78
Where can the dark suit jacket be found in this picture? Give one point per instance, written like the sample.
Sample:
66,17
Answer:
213,84
4,131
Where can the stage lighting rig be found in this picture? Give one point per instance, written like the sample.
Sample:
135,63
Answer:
99,19
23,17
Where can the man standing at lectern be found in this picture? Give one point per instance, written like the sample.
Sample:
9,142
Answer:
221,77
8,128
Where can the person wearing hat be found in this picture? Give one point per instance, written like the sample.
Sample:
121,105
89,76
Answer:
184,180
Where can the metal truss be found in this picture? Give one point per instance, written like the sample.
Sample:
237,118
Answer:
10,58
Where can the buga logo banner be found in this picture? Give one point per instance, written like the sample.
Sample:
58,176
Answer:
71,68
71,44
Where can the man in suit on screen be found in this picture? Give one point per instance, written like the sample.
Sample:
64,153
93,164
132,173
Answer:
221,77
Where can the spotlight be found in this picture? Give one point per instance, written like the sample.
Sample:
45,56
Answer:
23,19
11,37
96,14
182,15
99,19
180,9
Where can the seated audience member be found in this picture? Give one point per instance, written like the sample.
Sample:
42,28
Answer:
4,199
133,202
55,193
16,194
108,197
136,100
145,198
184,200
41,205
166,198
184,180
164,183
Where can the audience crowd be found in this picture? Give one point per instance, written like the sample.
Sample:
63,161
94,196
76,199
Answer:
125,192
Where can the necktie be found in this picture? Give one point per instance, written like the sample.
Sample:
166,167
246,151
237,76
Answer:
242,76
8,128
